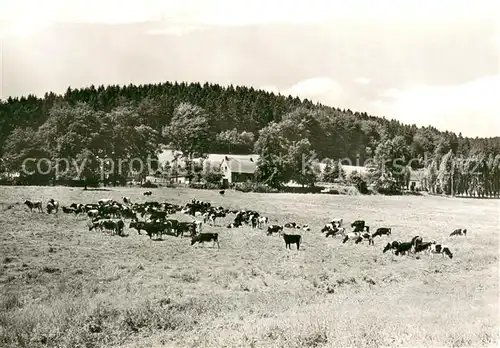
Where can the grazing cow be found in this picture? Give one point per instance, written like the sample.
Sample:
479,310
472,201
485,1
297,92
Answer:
292,239
365,236
388,247
79,208
34,205
211,219
174,225
415,241
113,226
110,210
459,232
337,222
327,227
120,225
138,225
357,237
221,192
127,213
206,237
262,220
51,208
93,213
440,249
382,231
54,206
186,227
399,247
254,221
126,200
330,229
155,228
198,225
67,210
205,216
148,193
358,225
341,231
105,201
292,225
158,215
274,229
95,225
306,228
423,247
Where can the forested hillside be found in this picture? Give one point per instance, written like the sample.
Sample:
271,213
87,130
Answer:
132,121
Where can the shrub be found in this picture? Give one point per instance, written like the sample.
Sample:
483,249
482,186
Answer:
212,177
254,187
387,186
359,182
148,184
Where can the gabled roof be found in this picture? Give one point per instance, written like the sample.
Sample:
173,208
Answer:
236,163
241,163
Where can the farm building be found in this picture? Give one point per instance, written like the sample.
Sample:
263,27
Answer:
234,168
348,169
416,178
238,168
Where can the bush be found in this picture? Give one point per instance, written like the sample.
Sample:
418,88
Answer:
198,185
254,187
387,186
204,186
359,182
148,184
212,177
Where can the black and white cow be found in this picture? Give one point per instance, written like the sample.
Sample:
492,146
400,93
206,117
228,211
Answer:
34,205
459,232
358,237
440,249
274,229
337,222
206,237
358,225
262,220
52,206
400,248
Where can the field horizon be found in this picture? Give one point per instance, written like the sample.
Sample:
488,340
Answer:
63,285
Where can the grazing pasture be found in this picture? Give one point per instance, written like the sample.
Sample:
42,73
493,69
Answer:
63,285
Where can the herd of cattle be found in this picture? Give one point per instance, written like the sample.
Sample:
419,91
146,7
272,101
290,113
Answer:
153,218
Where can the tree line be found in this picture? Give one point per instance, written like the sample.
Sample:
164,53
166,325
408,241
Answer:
127,122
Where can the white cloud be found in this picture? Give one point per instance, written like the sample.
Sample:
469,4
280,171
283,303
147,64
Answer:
322,89
25,16
472,108
175,30
269,88
362,80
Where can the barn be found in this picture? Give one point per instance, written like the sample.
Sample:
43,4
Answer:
234,168
238,168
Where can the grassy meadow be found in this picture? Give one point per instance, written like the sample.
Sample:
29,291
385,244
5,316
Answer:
63,286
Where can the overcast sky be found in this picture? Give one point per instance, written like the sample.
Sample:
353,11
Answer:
425,62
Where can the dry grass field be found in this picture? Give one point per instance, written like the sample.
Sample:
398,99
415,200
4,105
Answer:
63,286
